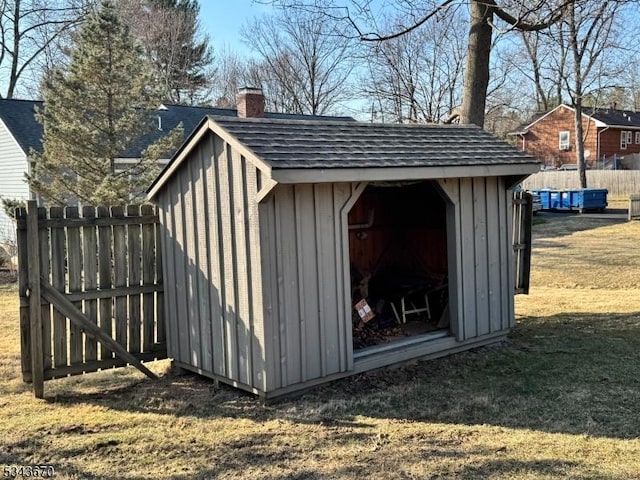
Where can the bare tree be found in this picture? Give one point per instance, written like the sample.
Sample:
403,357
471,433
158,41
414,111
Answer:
417,77
576,60
30,31
229,75
590,28
484,15
304,60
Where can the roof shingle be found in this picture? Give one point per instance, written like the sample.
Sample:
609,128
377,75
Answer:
286,144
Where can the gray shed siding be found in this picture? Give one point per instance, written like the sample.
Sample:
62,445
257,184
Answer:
211,253
303,232
481,277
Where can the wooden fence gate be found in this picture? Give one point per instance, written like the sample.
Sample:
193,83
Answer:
90,290
522,218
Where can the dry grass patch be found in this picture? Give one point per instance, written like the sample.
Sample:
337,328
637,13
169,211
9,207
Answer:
558,400
579,252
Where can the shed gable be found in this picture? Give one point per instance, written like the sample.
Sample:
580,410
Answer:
211,239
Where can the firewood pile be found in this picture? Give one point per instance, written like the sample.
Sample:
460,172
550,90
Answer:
377,314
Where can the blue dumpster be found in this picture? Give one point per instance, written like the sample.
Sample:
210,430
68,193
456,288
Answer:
580,199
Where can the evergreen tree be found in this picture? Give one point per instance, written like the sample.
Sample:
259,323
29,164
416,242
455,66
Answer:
169,33
94,110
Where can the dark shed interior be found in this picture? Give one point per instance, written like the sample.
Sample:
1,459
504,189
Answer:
398,259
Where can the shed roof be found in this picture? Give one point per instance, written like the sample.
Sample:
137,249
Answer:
292,151
335,144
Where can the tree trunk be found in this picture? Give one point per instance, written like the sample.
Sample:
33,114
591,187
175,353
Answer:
476,78
582,164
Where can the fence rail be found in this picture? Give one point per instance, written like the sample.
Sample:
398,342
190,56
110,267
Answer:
90,286
617,182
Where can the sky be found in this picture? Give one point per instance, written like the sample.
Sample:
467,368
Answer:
223,19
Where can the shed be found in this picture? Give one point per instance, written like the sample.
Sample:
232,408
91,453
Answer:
272,230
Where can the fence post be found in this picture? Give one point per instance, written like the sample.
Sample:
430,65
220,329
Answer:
33,253
633,213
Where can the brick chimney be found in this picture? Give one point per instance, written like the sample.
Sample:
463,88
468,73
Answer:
250,102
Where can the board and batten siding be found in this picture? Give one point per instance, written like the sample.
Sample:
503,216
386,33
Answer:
481,276
211,255
305,258
13,167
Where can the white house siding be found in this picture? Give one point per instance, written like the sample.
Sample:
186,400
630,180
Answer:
13,166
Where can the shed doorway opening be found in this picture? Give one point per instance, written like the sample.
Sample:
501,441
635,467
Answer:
398,263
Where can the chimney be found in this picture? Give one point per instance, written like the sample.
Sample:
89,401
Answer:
250,102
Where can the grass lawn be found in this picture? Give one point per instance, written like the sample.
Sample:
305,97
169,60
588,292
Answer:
561,399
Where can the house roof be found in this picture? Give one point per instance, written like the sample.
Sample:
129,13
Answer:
611,117
296,150
603,117
171,115
19,116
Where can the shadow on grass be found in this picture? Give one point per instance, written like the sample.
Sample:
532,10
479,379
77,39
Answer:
569,373
259,453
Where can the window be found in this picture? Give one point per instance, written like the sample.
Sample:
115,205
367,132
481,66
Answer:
626,138
637,137
564,140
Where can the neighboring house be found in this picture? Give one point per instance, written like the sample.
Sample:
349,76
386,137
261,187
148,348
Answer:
269,227
609,135
20,132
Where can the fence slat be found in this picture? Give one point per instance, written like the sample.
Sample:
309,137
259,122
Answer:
45,272
74,264
90,280
135,253
148,278
120,270
59,250
160,330
105,279
23,285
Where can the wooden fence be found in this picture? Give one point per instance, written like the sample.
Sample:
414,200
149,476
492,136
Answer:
619,183
90,290
634,207
522,218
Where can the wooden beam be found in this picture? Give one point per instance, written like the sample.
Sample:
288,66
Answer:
90,329
91,221
373,174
